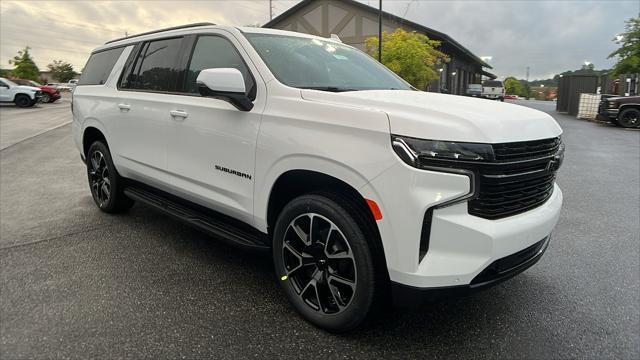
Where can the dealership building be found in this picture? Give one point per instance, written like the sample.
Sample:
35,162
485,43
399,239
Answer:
354,22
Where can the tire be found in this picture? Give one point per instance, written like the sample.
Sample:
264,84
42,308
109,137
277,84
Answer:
105,184
22,100
329,277
629,118
615,122
46,98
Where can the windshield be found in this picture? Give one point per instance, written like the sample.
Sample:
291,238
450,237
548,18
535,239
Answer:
33,83
323,65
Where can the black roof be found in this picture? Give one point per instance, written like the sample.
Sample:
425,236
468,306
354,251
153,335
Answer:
429,31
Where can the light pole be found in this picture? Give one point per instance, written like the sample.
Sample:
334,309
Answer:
380,32
455,83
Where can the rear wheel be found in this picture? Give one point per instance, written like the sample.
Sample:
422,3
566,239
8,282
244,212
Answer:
629,118
106,185
23,100
46,98
324,262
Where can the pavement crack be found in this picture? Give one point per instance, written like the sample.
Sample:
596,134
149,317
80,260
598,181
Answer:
51,238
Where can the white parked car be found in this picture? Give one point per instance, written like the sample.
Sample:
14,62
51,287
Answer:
22,96
359,185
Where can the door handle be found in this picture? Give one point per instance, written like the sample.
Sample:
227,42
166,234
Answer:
124,107
178,114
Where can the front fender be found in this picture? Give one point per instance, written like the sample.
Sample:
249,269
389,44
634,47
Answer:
313,163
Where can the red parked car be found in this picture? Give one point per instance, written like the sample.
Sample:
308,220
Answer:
49,94
511,97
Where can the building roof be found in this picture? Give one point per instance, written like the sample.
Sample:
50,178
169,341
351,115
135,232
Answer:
488,74
429,31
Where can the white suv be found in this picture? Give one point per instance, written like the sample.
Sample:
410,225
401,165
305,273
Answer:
22,96
363,188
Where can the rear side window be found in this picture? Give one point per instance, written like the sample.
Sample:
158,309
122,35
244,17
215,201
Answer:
156,68
213,52
99,67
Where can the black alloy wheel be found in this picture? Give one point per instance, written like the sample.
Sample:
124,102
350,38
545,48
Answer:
319,263
99,178
23,100
105,183
629,118
324,259
46,98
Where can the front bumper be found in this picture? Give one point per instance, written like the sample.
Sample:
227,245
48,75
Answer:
499,271
609,113
461,246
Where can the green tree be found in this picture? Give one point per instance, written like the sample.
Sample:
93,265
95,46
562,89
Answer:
512,86
411,55
588,67
24,66
61,71
629,52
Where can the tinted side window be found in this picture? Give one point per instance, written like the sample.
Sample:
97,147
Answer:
157,67
99,67
216,52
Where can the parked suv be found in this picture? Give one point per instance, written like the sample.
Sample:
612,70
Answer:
493,89
49,93
362,188
621,110
22,96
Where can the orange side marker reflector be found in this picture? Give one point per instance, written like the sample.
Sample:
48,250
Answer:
375,210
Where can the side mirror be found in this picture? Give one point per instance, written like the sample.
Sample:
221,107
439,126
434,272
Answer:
226,84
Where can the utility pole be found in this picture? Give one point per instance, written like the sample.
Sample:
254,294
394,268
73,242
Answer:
270,10
527,86
380,32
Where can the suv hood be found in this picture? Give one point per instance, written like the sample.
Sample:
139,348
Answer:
48,89
447,117
623,98
27,88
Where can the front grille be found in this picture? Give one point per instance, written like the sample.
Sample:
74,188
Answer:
521,178
526,149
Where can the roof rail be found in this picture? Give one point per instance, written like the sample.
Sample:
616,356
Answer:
161,30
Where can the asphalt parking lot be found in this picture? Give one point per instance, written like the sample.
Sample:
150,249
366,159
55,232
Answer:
77,283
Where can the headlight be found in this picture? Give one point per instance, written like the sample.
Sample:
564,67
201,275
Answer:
425,153
612,104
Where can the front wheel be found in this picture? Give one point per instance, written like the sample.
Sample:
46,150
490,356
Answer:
106,185
324,262
629,118
23,101
46,98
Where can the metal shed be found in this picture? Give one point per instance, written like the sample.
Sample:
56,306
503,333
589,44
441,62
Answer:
569,89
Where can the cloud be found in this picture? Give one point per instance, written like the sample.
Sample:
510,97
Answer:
547,36
69,30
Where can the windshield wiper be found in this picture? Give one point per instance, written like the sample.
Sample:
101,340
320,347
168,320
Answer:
328,88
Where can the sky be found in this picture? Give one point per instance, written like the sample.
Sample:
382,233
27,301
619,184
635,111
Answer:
547,36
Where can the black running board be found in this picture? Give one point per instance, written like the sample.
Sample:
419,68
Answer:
227,229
